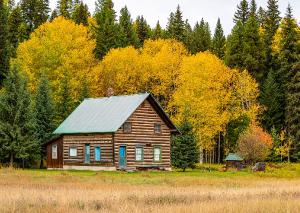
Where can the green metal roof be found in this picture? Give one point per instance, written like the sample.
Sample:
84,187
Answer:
233,157
101,115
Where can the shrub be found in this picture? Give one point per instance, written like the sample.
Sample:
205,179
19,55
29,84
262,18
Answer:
255,144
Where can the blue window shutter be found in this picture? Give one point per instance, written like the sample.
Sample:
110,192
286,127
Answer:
97,153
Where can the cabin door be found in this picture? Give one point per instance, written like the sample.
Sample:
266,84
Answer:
122,157
87,153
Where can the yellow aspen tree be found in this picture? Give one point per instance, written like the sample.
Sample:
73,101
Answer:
165,58
153,68
57,49
213,94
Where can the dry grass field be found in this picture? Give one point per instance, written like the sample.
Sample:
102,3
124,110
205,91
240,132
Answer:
200,190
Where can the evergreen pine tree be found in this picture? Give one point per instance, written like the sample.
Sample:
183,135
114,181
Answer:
158,32
127,33
35,13
184,147
201,40
106,30
17,123
142,29
219,41
44,112
188,36
273,100
81,14
4,48
253,58
64,8
290,74
85,91
253,8
54,15
242,12
261,16
272,97
42,12
289,48
272,20
176,26
234,47
234,129
292,111
207,36
11,5
15,33
65,103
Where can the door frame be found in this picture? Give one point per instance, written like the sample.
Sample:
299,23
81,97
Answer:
125,152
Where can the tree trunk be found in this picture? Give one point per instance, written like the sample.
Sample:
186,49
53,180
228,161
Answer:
201,156
219,148
41,164
289,153
11,163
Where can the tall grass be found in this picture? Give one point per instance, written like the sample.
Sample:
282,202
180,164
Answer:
197,191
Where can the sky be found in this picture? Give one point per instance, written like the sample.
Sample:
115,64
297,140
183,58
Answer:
193,10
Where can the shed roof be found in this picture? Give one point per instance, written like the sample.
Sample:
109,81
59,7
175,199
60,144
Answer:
105,115
233,157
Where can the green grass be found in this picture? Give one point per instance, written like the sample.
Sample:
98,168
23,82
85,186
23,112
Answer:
202,172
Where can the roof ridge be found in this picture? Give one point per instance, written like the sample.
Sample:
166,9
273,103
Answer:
141,93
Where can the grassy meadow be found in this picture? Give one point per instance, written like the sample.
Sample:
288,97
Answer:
205,189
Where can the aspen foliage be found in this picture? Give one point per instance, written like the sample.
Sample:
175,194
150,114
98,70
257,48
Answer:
155,68
57,49
213,94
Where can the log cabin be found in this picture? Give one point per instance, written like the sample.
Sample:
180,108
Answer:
113,133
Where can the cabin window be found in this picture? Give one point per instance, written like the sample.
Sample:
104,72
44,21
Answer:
97,153
127,127
54,151
157,128
87,153
139,153
157,154
73,151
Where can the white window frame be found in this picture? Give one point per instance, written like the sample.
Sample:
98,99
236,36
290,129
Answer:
73,152
139,153
54,149
155,155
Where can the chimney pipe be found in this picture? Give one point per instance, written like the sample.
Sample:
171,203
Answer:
110,92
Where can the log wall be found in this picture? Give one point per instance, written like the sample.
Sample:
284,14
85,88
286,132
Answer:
142,134
79,141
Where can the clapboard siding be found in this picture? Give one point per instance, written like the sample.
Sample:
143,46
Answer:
142,134
79,141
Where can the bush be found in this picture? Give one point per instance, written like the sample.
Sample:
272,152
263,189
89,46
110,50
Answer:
255,144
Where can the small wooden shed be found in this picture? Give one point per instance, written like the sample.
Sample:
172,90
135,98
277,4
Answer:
233,160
